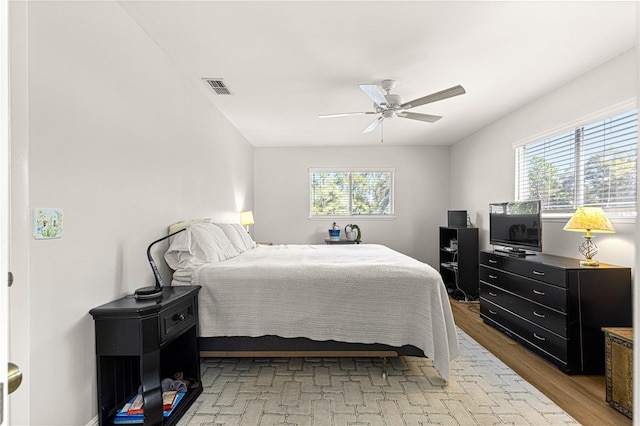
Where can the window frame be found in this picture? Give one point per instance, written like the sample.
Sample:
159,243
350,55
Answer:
351,170
628,105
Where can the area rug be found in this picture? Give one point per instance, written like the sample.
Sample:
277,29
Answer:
482,390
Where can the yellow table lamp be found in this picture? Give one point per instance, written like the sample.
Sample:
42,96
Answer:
246,219
589,219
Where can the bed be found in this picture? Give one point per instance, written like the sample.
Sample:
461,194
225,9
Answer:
303,300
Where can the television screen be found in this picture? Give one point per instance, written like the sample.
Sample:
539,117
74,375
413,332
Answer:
516,225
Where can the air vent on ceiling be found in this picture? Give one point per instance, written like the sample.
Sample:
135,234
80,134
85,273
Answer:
218,86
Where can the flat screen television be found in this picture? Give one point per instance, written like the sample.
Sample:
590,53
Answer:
516,226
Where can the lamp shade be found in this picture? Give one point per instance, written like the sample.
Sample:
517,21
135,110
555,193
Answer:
589,219
246,218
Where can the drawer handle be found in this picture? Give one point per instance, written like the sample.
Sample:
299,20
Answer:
539,315
179,317
492,294
538,273
493,261
539,337
538,292
493,277
492,312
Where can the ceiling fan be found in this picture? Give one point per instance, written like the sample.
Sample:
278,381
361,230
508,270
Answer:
390,105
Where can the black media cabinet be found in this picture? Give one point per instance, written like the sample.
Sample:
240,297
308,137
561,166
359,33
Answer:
459,262
554,306
140,342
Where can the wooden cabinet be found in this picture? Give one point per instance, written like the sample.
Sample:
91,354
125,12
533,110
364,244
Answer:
554,306
619,368
140,342
459,261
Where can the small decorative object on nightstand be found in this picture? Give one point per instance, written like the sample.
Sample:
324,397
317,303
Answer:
334,232
352,232
589,219
618,343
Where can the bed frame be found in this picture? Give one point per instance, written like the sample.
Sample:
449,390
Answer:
275,347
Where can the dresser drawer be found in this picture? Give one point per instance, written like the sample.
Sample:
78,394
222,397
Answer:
496,295
545,294
537,314
532,334
176,319
542,316
520,266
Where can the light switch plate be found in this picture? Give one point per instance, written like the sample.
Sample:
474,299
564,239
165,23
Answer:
47,223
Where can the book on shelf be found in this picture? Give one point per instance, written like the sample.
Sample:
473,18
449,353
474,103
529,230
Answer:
168,398
124,417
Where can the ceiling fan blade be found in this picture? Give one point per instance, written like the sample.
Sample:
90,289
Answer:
371,127
434,97
344,114
374,93
422,117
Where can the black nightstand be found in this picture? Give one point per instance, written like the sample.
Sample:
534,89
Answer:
141,342
328,241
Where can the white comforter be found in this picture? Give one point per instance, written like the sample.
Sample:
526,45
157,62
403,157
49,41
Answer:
353,293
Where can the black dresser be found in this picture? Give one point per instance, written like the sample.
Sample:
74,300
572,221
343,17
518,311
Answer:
554,306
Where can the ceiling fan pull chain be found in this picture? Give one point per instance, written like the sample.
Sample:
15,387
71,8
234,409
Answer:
382,132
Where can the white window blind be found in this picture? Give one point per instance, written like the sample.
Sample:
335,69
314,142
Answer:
351,193
592,165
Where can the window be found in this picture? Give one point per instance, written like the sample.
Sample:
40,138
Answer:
591,165
351,192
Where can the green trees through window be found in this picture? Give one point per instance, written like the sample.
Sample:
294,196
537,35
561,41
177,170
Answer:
593,165
351,193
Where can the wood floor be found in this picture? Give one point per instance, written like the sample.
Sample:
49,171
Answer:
583,397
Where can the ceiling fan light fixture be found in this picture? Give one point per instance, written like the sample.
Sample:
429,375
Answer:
393,100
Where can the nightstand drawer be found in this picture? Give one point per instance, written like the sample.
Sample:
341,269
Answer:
176,319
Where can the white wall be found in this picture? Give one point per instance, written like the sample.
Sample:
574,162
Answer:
125,144
421,196
482,168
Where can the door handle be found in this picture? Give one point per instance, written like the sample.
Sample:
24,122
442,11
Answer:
14,377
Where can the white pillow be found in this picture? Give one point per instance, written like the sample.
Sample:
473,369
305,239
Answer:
234,236
210,244
246,238
200,243
179,255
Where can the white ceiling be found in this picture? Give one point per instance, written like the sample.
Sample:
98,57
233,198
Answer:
287,62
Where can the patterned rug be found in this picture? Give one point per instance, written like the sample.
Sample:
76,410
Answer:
351,392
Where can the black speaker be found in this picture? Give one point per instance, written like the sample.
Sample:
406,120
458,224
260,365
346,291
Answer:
457,219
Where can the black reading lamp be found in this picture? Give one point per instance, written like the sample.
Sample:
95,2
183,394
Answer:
154,291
